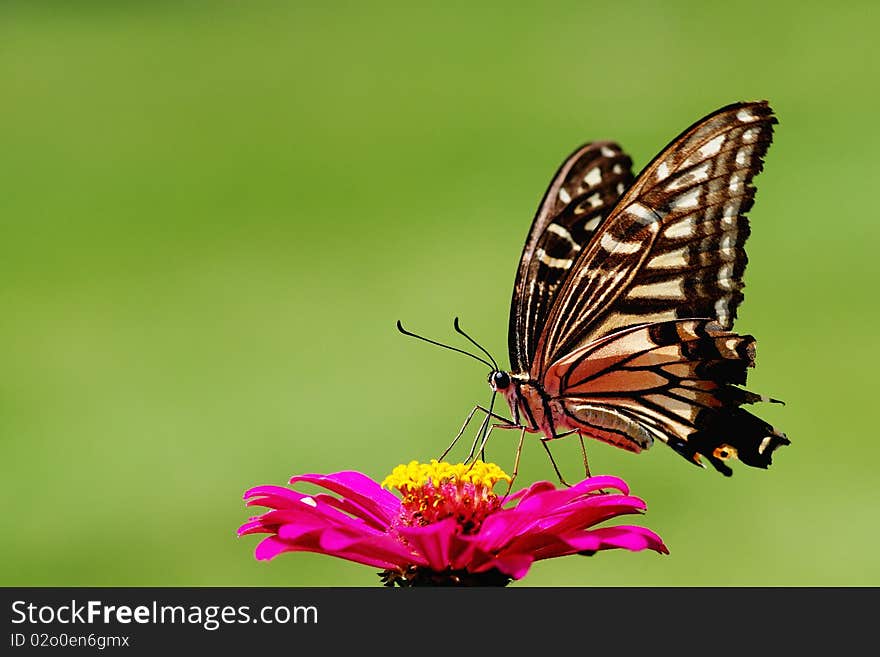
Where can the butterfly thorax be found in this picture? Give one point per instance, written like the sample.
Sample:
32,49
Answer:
530,405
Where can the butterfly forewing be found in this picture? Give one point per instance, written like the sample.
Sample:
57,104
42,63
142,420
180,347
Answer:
581,194
672,246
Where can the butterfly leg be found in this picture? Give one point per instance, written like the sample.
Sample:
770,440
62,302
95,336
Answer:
507,425
587,474
544,442
458,436
553,462
522,436
484,431
464,426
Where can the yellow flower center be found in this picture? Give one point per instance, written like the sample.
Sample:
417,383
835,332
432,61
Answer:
437,490
415,475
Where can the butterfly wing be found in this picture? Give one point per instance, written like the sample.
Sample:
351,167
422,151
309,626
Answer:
581,194
674,380
672,247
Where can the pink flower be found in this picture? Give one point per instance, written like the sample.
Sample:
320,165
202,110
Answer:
449,527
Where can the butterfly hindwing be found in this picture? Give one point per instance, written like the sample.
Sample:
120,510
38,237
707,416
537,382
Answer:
581,194
676,381
672,247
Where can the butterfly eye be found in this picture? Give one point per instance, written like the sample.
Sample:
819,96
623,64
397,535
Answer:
500,380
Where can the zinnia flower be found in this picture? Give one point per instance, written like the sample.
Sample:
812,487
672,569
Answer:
450,527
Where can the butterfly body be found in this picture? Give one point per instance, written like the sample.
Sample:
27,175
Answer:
537,411
530,406
626,294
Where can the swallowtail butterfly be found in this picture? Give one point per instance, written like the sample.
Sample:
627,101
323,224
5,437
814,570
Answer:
626,294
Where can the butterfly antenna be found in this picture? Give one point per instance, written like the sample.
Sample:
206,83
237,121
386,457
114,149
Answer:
446,346
458,329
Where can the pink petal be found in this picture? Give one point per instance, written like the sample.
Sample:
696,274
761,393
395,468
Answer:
599,482
278,497
537,488
586,512
253,526
500,528
434,542
466,553
271,547
515,565
587,489
294,505
321,514
291,532
359,488
388,548
350,507
628,537
274,497
370,549
631,537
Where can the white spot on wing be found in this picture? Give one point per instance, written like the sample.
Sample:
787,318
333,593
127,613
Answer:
643,214
607,152
564,196
614,246
593,223
698,175
557,263
736,180
728,240
689,199
745,115
666,290
731,211
309,501
712,147
670,259
721,311
764,444
724,277
684,228
742,155
593,177
620,188
730,344
662,170
750,134
556,229
701,173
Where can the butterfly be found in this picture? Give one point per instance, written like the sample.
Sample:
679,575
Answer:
625,297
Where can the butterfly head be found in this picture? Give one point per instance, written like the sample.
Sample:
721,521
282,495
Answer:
499,381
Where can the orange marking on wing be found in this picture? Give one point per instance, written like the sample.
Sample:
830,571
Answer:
619,381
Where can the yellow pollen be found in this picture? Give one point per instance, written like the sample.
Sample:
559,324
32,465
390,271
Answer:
414,475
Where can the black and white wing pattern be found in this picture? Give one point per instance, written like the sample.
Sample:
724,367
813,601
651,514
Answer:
672,246
582,193
678,381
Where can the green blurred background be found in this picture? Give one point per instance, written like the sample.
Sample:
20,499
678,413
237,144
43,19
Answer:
213,214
